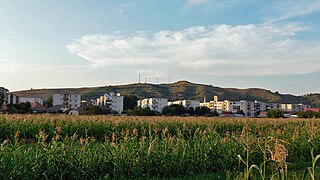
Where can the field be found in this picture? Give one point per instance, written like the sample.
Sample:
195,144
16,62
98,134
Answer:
114,147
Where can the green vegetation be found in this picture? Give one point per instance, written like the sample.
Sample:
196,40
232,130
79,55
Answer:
274,113
20,108
48,102
129,102
1,99
309,114
95,147
174,110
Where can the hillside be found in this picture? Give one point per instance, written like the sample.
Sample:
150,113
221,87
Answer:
178,90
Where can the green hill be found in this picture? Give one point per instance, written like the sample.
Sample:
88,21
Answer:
178,90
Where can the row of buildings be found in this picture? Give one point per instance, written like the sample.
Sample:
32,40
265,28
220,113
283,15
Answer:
114,102
247,108
63,101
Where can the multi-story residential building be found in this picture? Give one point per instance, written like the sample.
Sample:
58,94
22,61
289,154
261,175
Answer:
259,107
206,104
12,99
293,107
112,101
5,92
186,103
274,106
31,100
248,108
67,100
155,104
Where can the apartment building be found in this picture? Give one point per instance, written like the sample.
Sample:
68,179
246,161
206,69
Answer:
186,103
67,100
293,107
112,101
5,92
31,100
248,108
155,104
12,98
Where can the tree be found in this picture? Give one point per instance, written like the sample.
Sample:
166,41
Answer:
201,111
274,113
48,103
174,110
21,108
180,110
129,102
169,111
1,99
95,110
190,111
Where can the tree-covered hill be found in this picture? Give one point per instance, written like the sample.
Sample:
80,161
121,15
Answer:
178,90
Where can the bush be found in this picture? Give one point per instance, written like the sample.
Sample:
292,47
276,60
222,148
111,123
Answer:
275,114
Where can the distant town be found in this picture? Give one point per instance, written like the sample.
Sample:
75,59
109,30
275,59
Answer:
113,103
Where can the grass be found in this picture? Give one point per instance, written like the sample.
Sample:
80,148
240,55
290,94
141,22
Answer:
109,147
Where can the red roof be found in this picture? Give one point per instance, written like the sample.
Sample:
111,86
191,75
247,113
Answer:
311,109
38,107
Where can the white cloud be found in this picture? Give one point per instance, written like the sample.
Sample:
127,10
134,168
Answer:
223,50
289,9
196,2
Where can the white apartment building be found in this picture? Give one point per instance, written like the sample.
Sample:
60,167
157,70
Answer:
111,100
155,104
186,103
274,106
68,100
206,104
31,100
293,107
248,108
12,99
5,92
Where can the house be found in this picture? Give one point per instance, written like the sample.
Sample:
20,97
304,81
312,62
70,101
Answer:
67,100
38,108
155,104
56,109
112,101
311,110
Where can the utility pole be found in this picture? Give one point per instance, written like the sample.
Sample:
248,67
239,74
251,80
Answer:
169,79
139,78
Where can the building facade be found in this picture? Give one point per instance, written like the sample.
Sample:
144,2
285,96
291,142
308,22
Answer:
5,92
186,103
67,100
112,101
31,100
155,104
12,99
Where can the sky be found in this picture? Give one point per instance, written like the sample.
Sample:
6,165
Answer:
272,44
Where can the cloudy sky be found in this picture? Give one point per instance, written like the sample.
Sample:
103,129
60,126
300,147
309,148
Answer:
240,43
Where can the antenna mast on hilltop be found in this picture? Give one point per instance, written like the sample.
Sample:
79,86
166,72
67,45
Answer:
139,78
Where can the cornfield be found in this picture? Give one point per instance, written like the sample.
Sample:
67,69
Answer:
115,147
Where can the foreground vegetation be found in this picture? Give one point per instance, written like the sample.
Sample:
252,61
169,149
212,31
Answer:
93,147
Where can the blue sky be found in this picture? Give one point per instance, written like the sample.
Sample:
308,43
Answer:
78,43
